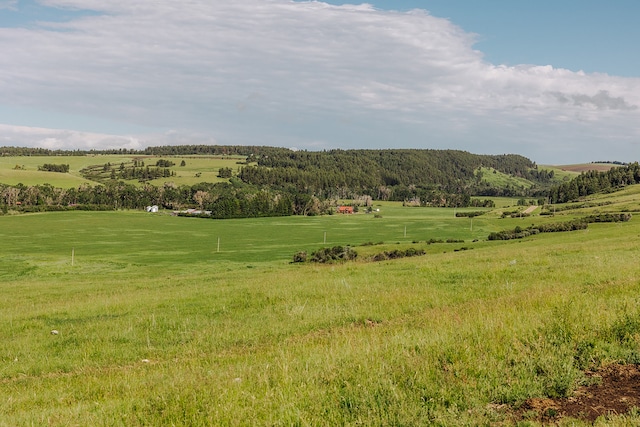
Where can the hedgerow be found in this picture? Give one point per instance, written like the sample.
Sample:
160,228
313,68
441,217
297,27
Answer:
396,253
520,233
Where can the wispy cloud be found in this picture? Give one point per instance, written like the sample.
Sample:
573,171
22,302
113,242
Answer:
8,4
27,136
63,139
296,73
602,101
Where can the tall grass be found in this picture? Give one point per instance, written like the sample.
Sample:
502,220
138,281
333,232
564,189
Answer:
157,328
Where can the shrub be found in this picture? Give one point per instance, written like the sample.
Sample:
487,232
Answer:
432,241
334,254
49,167
163,163
300,256
469,214
396,253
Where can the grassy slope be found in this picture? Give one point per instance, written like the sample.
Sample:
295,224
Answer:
157,328
28,173
206,166
567,172
500,179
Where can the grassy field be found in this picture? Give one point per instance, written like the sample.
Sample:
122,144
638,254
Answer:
156,326
24,169
567,172
499,179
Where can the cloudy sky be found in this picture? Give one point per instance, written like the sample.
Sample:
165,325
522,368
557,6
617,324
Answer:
556,81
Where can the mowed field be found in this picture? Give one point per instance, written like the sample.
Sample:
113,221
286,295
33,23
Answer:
162,320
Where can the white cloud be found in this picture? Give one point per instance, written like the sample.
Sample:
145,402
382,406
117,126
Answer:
27,136
8,4
295,73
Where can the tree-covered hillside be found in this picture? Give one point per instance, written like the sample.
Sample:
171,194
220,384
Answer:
390,174
279,181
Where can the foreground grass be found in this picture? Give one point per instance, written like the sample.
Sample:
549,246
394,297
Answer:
184,339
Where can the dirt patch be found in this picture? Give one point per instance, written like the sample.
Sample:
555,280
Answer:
614,389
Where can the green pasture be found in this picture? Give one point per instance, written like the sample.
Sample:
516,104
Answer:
142,238
561,174
24,169
499,179
199,169
155,326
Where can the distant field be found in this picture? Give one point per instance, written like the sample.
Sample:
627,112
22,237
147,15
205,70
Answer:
139,237
24,169
136,319
601,167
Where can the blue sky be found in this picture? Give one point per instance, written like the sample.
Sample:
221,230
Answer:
556,81
589,35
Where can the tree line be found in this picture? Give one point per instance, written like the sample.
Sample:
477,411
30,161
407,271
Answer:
232,199
169,150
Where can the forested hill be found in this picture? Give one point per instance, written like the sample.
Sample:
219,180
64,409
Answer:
369,170
391,174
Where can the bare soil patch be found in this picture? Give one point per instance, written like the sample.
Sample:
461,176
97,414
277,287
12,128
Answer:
614,390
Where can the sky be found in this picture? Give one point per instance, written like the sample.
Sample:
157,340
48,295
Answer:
555,81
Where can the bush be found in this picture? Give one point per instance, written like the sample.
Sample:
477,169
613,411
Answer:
225,173
469,214
163,163
48,167
396,253
334,254
300,256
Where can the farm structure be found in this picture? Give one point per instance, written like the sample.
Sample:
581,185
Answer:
345,209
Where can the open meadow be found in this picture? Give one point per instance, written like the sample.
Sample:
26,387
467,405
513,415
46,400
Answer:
129,318
24,169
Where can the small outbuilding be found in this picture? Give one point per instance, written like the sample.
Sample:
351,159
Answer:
345,209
